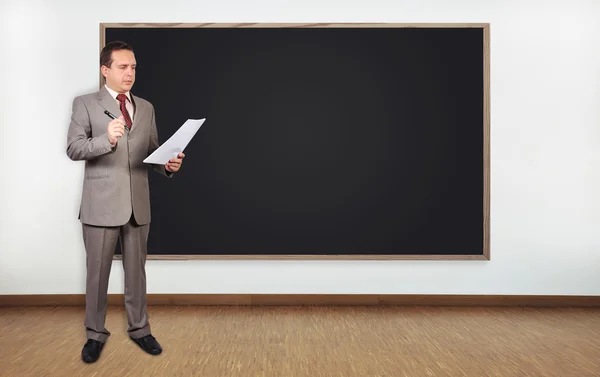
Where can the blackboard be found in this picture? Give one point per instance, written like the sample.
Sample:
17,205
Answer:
320,141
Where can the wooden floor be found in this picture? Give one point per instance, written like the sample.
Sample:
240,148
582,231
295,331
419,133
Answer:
311,341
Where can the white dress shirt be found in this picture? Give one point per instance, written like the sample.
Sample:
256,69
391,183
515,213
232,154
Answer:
128,103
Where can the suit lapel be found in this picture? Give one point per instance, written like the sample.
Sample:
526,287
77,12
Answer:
138,110
109,103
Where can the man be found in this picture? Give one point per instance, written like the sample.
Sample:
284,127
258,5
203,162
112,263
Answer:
115,200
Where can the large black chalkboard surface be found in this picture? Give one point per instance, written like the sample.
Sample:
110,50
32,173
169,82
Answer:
320,141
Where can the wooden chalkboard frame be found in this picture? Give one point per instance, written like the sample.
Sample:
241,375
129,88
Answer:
485,122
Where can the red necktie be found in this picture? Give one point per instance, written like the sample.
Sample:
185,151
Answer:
122,98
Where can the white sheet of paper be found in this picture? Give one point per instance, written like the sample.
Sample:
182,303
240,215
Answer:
176,143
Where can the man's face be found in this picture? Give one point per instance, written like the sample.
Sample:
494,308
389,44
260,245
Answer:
121,74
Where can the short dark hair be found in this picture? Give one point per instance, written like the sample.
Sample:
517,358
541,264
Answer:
106,54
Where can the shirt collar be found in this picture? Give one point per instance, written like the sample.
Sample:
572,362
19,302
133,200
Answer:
115,94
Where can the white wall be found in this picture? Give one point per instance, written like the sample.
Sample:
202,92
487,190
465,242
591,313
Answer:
545,203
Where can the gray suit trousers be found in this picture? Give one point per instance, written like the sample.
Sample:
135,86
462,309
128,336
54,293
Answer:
100,243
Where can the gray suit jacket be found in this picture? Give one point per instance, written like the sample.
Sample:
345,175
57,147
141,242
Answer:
116,179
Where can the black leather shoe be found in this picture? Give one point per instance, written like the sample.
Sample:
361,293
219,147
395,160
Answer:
91,351
149,344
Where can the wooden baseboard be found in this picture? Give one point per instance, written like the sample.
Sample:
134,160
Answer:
315,299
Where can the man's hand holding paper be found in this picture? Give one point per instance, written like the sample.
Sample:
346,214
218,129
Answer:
175,163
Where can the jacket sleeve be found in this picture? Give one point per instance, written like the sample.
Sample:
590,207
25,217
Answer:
154,145
80,144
